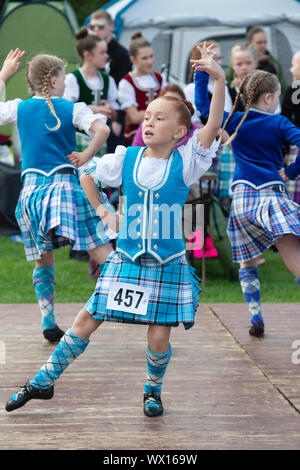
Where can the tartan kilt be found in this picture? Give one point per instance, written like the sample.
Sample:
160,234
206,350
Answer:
293,186
174,290
225,171
258,219
57,204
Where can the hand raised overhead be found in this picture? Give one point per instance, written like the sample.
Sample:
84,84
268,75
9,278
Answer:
207,63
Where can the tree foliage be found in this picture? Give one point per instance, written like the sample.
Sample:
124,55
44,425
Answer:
84,8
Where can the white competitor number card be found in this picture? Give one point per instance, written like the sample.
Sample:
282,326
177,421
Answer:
128,298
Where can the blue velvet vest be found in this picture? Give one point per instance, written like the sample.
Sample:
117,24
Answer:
44,150
153,216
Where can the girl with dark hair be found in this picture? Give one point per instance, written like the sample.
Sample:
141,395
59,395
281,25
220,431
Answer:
139,87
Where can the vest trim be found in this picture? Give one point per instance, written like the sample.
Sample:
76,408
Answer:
36,170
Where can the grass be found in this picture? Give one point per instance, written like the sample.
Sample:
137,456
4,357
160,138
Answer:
74,285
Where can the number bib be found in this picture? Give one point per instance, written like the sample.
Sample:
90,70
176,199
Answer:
128,298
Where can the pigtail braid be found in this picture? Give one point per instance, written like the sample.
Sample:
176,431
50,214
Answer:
250,88
45,93
235,104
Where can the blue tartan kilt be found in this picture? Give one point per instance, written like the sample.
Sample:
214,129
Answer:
293,186
53,211
258,219
174,289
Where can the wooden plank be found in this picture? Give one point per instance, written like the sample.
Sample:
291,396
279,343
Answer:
215,395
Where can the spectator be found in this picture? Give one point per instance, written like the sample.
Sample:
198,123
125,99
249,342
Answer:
139,87
291,109
102,26
257,39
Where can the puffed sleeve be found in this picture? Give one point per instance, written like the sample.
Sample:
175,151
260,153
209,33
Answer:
72,89
196,159
108,169
127,96
83,117
9,111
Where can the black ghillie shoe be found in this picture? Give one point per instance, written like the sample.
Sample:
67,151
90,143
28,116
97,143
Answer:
26,393
152,405
257,329
53,335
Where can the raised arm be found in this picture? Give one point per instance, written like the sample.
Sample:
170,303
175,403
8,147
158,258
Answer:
8,109
215,117
10,65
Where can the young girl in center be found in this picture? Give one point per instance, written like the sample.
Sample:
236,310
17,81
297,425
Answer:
147,281
262,213
52,209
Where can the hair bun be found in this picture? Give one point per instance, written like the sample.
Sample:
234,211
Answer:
190,106
136,35
81,34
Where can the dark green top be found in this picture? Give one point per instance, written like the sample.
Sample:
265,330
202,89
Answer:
89,96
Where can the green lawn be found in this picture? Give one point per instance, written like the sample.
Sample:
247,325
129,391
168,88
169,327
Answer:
74,285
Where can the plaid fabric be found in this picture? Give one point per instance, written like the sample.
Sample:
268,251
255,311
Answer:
225,172
293,187
174,290
83,141
258,218
58,204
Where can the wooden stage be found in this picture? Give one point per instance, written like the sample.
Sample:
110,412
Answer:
223,389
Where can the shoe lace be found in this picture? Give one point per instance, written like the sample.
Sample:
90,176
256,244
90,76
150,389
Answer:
152,398
22,390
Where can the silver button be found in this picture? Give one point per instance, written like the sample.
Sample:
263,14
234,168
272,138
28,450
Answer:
156,196
140,194
139,208
139,246
139,221
155,222
155,247
155,235
156,209
138,234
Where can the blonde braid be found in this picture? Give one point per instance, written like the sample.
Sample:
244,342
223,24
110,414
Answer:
39,71
45,93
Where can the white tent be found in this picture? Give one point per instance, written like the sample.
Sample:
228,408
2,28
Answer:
174,26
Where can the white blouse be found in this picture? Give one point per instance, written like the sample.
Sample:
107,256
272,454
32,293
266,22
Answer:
83,116
127,96
72,90
196,161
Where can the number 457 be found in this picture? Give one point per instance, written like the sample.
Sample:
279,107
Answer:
126,297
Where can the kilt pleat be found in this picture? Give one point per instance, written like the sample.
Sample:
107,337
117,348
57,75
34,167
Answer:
293,186
53,212
174,290
259,218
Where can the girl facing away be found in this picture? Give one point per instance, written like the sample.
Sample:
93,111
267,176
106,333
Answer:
52,209
262,213
147,281
139,87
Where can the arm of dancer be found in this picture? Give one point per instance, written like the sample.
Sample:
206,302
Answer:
8,109
215,110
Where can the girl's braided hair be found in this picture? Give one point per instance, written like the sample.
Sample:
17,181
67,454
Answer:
39,71
252,87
